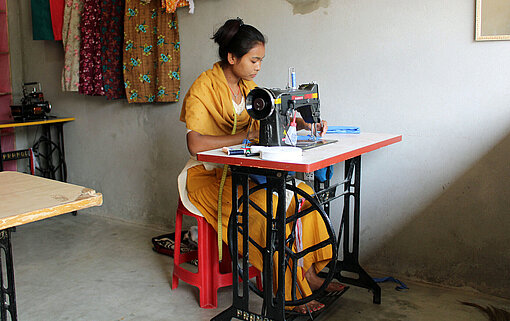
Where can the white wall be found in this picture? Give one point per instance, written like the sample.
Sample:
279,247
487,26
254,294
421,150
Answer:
434,207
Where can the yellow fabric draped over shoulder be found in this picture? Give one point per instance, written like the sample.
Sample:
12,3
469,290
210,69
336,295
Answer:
207,108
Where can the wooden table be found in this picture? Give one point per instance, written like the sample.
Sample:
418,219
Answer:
52,160
348,149
24,199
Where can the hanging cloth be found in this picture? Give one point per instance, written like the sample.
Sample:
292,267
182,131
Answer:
112,36
151,53
57,16
41,20
91,78
171,5
71,40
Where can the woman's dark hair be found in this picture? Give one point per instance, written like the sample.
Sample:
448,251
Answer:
236,37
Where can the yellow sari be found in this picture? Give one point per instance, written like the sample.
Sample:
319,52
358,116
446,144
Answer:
208,110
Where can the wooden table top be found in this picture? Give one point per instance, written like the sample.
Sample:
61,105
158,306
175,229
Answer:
26,198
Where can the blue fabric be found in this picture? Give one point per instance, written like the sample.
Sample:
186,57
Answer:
343,130
305,137
320,174
259,179
246,143
399,287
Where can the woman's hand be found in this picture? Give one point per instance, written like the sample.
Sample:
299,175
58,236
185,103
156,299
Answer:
321,127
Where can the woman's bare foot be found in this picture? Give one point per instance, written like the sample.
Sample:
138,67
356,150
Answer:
312,306
315,282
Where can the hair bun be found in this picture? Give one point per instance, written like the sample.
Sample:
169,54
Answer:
236,37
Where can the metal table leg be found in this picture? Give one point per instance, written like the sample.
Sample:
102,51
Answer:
60,144
350,262
274,305
8,295
49,155
276,243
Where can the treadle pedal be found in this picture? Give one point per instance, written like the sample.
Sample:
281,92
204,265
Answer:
328,299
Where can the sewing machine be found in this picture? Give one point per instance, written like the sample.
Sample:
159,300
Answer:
275,108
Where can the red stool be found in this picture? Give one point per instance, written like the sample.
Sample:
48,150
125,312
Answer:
211,273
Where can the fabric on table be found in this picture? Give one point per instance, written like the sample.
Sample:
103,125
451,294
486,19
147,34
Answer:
208,110
57,16
112,37
91,78
343,130
41,20
304,137
71,40
151,55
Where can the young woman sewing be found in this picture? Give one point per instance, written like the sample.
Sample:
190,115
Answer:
215,116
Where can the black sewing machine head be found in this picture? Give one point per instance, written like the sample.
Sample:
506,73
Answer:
275,109
33,106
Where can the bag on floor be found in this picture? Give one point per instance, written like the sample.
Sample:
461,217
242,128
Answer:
164,244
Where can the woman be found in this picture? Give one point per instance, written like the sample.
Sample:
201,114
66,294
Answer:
215,116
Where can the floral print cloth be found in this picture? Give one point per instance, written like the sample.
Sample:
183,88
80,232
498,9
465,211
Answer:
172,5
71,40
91,78
112,34
151,56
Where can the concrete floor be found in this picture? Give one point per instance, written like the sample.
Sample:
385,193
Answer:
91,268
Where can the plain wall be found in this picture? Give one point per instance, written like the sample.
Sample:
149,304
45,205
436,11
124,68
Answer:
435,207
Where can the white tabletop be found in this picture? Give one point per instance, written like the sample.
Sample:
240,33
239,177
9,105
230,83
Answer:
26,198
347,146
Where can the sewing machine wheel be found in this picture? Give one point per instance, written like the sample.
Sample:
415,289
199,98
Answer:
292,256
260,103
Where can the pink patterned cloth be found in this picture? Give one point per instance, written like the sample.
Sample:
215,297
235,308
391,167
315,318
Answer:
91,78
71,39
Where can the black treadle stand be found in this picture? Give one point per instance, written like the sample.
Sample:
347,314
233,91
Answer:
273,308
52,154
275,242
350,261
8,297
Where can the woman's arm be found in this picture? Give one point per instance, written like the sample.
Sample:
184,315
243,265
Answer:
199,143
322,127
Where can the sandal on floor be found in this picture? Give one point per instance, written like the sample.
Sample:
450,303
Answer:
302,310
